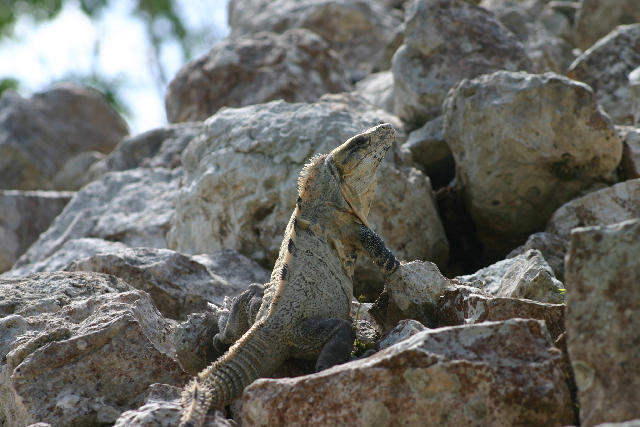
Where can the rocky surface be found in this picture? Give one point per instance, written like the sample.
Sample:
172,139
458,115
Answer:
445,42
241,183
602,273
71,175
357,30
179,284
551,247
606,67
24,215
603,207
496,373
634,83
631,137
596,18
297,66
377,88
39,134
518,160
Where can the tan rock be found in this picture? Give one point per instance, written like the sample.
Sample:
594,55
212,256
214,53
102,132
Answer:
603,297
596,18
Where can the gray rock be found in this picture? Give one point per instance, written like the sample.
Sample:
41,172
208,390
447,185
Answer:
24,215
430,150
179,284
525,144
445,42
39,134
552,248
596,18
377,89
606,67
630,423
630,136
382,61
634,83
356,29
71,176
610,205
133,207
603,297
404,329
297,66
524,276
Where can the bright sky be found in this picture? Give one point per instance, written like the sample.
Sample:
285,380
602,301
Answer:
42,53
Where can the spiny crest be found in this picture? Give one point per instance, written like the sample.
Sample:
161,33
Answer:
309,172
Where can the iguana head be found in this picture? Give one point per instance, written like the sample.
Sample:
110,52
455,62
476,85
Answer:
357,161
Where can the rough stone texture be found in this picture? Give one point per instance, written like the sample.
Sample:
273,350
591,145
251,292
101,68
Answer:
194,341
603,207
356,29
24,215
160,147
241,183
524,145
297,66
631,423
552,248
133,207
445,42
377,89
404,329
606,67
383,59
603,299
524,276
462,305
596,18
71,176
179,284
39,134
631,136
81,359
634,83
411,292
496,373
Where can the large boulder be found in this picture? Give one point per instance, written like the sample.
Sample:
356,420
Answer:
39,134
552,247
525,144
606,67
447,41
603,299
630,136
610,205
241,177
377,88
634,82
24,215
356,29
596,18
495,373
297,66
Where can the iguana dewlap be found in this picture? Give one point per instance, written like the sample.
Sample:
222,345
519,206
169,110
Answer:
302,311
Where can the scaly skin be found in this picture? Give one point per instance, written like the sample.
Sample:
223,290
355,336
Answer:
304,307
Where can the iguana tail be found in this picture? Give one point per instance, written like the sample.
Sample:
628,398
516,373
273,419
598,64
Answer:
250,358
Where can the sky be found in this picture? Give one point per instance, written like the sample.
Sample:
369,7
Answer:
42,53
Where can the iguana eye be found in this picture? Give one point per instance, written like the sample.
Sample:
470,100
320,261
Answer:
360,140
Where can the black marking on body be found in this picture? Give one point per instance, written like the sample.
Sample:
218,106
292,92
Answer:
284,275
299,202
291,247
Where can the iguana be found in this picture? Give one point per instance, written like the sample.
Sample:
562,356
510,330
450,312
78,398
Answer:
302,312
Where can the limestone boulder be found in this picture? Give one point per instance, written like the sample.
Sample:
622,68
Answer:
430,151
377,88
240,185
634,82
610,205
71,175
297,66
24,215
606,67
179,284
447,41
524,145
132,207
551,246
597,18
382,62
496,373
602,273
630,136
356,29
39,134
404,329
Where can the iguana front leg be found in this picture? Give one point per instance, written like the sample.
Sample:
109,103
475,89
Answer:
369,243
241,315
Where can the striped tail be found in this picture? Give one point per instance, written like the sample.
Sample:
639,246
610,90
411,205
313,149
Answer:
253,356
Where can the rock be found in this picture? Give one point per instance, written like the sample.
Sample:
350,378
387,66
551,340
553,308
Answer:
606,67
603,207
194,341
24,215
524,145
160,147
630,137
496,373
84,360
179,284
377,89
603,297
445,42
631,423
39,134
552,248
132,207
411,292
382,61
461,305
524,276
241,183
356,29
634,82
71,176
596,18
297,66
404,329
